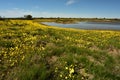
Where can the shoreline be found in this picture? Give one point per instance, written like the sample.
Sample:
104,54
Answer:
81,28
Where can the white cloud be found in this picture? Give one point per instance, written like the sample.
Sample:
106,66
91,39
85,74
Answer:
69,2
36,7
16,12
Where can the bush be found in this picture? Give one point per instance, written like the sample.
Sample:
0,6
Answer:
29,17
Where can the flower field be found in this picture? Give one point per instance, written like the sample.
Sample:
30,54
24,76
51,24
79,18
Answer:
32,51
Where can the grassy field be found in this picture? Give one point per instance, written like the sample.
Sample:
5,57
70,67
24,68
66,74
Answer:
32,51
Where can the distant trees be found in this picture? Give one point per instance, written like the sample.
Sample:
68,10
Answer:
29,17
1,18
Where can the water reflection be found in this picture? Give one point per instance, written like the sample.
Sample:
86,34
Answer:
88,25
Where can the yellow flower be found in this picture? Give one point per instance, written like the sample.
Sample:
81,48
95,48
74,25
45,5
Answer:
66,77
69,75
56,69
23,57
42,48
60,75
71,70
66,67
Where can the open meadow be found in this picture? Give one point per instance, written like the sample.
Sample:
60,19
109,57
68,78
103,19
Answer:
32,51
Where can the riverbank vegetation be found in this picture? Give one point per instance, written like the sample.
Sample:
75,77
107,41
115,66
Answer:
64,20
76,20
32,51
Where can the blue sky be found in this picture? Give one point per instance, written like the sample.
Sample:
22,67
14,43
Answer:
60,8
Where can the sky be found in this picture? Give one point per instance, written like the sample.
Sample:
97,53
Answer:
61,8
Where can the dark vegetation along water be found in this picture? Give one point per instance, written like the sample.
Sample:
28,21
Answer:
88,25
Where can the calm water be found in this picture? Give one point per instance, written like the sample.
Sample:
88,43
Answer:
88,25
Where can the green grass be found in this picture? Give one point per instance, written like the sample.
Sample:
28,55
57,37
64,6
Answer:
31,51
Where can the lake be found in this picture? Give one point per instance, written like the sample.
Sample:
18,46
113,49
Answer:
88,25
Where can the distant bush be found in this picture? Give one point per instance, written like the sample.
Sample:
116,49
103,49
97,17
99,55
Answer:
29,17
1,18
